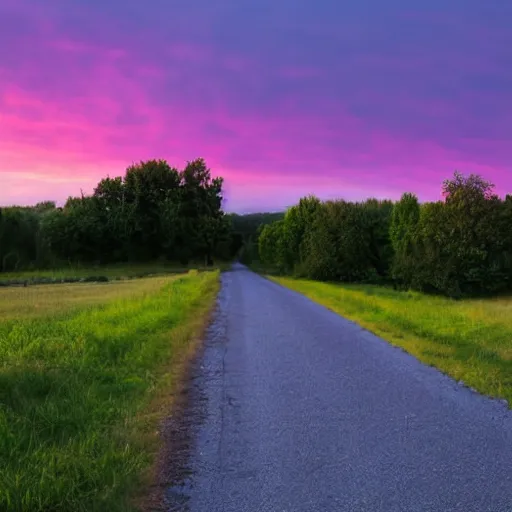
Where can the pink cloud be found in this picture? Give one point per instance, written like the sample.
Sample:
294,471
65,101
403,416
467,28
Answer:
72,144
277,124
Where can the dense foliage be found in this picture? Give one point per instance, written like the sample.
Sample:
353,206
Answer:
246,230
335,240
458,247
22,241
154,212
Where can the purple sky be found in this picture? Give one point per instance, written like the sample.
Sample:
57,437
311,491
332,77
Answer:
281,97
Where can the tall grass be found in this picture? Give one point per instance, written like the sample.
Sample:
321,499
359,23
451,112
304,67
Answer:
470,340
75,386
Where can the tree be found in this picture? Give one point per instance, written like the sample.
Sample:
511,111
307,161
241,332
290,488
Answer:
297,221
19,231
467,189
475,245
402,232
154,211
246,230
461,245
200,212
150,187
272,245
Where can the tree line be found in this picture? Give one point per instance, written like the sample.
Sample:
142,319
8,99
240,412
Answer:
458,246
154,211
246,230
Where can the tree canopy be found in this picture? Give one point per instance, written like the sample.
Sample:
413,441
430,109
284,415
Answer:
153,211
460,246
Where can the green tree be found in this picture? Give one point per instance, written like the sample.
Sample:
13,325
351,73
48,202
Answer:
403,231
349,241
272,245
297,221
201,216
19,238
462,246
476,236
246,230
150,187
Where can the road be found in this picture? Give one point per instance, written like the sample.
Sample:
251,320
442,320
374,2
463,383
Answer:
293,408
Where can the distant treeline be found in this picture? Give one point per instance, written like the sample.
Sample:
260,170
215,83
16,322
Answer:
246,230
460,246
154,212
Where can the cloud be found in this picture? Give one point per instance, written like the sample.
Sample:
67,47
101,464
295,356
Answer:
362,99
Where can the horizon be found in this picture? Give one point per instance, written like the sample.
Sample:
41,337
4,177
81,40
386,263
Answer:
256,210
357,101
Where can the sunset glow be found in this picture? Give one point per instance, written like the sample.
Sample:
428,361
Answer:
347,99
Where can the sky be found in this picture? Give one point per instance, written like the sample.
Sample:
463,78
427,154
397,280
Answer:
282,98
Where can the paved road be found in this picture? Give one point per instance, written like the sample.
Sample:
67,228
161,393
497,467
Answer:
293,408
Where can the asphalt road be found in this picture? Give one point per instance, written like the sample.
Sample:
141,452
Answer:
293,408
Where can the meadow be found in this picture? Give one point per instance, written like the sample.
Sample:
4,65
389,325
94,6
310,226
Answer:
83,272
471,340
86,374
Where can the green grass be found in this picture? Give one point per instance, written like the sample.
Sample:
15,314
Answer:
83,387
32,301
470,340
115,271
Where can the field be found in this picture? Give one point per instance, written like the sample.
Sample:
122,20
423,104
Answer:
111,272
470,340
86,373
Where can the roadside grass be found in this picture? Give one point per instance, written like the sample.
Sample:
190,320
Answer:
83,387
470,340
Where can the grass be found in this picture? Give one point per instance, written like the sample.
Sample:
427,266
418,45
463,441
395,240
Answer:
40,300
470,340
86,374
115,271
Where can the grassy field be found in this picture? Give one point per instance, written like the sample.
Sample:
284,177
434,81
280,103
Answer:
112,272
86,373
470,340
32,301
